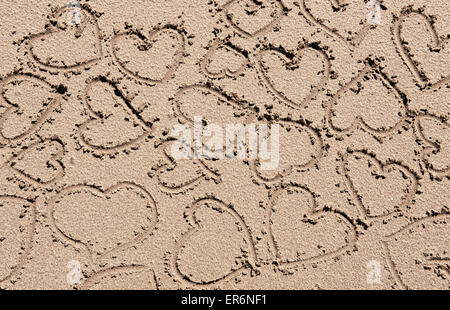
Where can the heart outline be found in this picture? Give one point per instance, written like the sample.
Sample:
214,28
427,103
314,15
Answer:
314,91
171,68
432,146
354,42
97,116
280,9
384,168
314,212
421,79
358,122
195,226
11,108
88,18
104,194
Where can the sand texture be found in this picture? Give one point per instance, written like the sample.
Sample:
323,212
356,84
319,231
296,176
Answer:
91,196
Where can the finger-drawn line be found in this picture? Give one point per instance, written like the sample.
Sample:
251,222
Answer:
31,208
171,68
385,168
420,77
74,189
54,162
374,72
216,204
432,146
293,61
350,43
314,213
212,50
14,107
392,268
316,140
54,27
254,5
95,116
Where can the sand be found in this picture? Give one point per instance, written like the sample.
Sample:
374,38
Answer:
91,196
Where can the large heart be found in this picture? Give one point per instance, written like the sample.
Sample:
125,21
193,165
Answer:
427,60
253,17
300,233
349,18
25,104
434,132
217,247
224,59
152,59
418,254
295,79
67,46
371,101
16,235
40,163
110,109
378,189
300,148
103,222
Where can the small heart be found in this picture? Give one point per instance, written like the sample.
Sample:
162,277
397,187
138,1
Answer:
427,59
179,176
419,254
299,233
152,59
67,46
22,114
133,277
330,15
300,148
103,222
16,235
253,17
435,133
40,163
110,109
224,59
378,189
198,260
370,101
294,79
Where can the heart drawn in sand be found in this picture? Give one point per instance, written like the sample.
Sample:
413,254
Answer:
371,101
67,46
294,79
25,104
427,59
16,235
434,132
178,176
253,17
107,221
300,148
299,232
378,189
150,59
40,163
224,59
217,247
329,13
110,109
421,251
